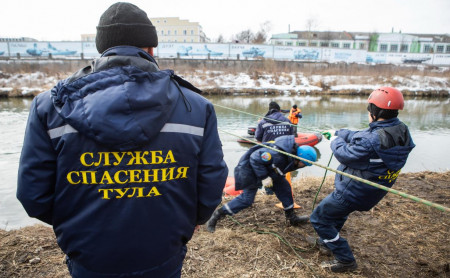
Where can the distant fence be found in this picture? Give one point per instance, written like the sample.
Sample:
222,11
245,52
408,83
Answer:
87,50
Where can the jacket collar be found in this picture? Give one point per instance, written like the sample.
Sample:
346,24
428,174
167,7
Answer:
124,56
385,123
118,56
126,50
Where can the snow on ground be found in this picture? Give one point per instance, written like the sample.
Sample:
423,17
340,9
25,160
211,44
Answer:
300,83
26,83
280,81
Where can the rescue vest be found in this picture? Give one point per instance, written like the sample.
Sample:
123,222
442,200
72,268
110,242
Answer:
293,115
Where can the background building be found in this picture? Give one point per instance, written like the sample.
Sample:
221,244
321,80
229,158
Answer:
170,29
88,37
21,39
174,29
373,42
322,39
410,43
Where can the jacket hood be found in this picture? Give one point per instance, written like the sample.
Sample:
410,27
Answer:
274,117
123,102
285,143
394,157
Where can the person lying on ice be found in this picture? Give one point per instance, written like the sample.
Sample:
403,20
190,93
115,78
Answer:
376,154
257,164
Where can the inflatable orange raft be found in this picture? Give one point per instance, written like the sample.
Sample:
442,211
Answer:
310,139
229,189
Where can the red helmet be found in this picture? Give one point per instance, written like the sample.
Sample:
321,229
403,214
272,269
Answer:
387,98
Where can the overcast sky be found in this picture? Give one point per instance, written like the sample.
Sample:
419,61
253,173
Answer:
67,20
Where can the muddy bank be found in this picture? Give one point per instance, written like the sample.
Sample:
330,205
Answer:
398,238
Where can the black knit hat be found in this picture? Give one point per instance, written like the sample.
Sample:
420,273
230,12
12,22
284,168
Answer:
274,105
125,24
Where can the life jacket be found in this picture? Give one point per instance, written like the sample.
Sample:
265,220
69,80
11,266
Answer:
293,115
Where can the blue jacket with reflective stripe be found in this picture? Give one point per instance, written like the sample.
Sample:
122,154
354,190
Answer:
376,154
123,160
273,125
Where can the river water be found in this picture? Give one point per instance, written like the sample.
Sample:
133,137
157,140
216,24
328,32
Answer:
428,120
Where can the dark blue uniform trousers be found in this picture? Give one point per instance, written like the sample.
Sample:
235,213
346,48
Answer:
328,219
281,188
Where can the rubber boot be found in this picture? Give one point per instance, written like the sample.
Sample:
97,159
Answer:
294,219
212,222
337,266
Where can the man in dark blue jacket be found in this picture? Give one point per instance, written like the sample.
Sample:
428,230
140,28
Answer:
122,159
259,163
376,154
274,125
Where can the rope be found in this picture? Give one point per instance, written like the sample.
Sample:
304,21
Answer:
323,180
281,238
259,116
379,186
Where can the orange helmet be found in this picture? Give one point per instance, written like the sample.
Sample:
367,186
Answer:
387,98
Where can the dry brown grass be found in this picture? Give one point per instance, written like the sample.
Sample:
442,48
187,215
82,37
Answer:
398,238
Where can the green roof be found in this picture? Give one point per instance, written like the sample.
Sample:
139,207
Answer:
284,36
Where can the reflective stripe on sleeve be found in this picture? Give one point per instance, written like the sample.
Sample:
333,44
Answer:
376,160
277,170
180,128
60,131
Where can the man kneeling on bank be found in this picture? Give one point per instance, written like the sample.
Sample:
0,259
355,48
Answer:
257,164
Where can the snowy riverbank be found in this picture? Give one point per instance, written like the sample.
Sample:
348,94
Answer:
259,82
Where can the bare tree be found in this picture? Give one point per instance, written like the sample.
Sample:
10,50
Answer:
262,35
266,26
311,24
220,39
245,36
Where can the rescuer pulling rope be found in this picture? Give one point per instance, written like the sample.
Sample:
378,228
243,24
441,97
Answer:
259,163
376,154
